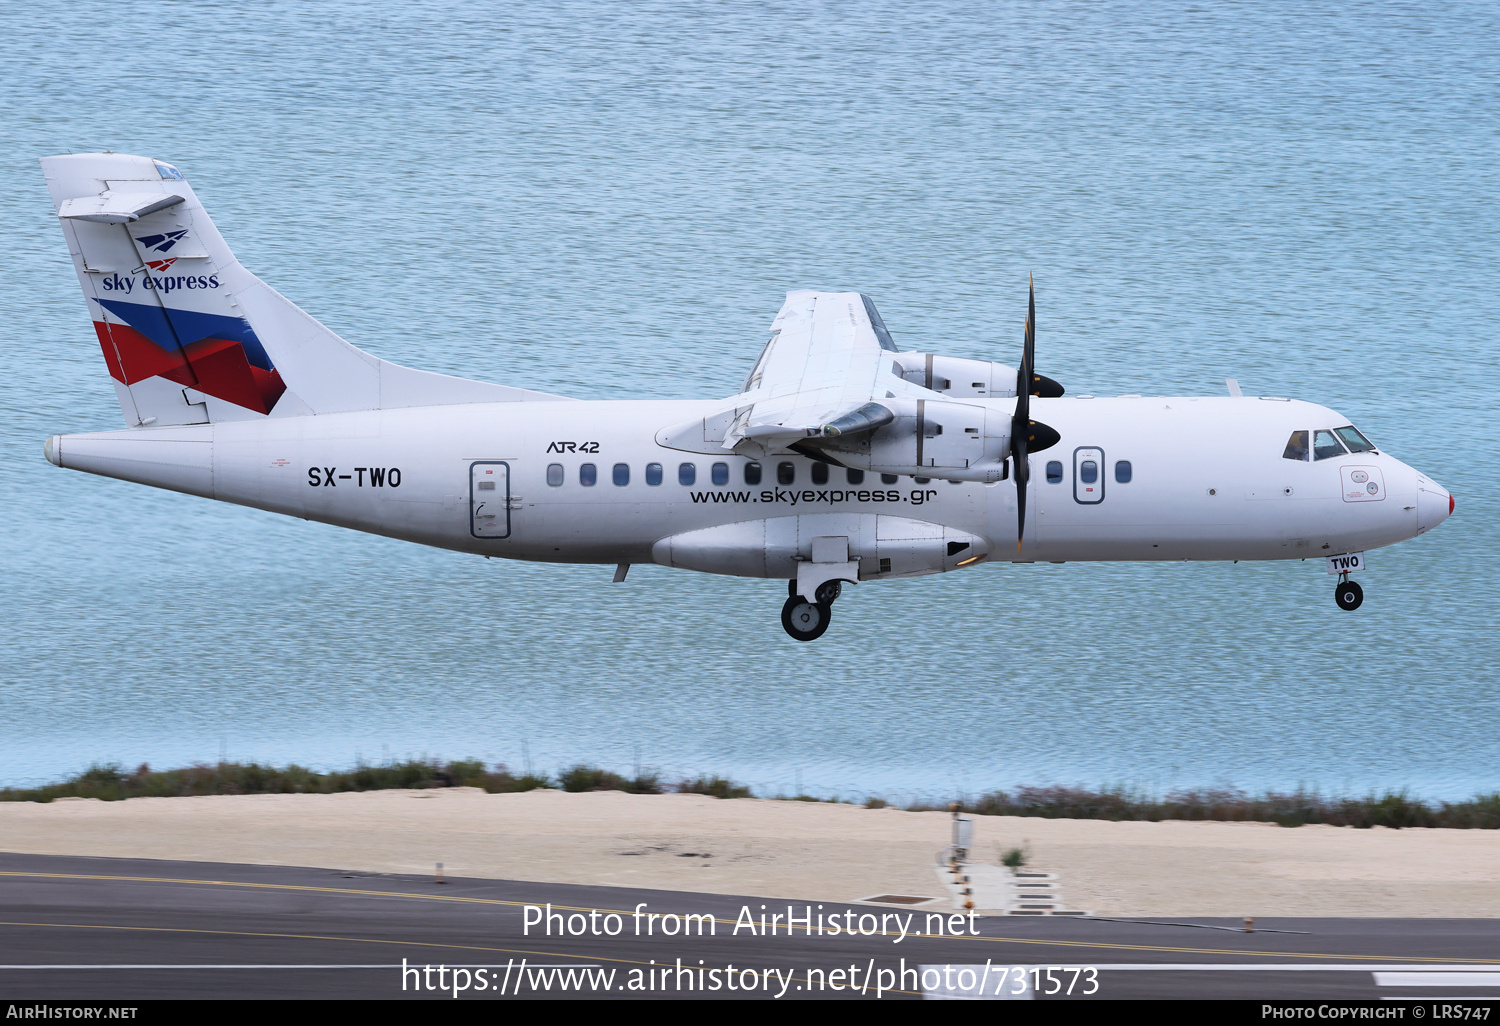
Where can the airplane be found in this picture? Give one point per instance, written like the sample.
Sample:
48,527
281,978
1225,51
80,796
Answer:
843,458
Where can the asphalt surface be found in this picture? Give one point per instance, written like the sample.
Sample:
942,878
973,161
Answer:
127,929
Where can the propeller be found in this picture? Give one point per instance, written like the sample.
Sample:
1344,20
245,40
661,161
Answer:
1026,435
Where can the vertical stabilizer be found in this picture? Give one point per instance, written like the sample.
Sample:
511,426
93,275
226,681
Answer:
190,336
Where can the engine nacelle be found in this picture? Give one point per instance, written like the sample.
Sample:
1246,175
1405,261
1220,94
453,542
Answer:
928,438
957,377
960,378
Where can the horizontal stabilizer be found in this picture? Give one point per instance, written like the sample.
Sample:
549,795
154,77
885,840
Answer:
117,207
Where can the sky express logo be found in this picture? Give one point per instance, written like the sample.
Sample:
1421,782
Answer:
161,283
162,243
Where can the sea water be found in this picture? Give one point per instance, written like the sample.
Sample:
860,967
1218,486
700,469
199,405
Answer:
609,200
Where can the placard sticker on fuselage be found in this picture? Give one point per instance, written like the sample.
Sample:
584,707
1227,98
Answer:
1362,484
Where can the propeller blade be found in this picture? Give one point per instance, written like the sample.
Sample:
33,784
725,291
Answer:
1027,370
1020,458
1020,425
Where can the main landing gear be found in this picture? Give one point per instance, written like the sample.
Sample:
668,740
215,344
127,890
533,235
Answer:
1348,594
804,620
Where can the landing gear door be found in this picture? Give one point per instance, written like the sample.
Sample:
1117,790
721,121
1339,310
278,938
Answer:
489,499
1088,475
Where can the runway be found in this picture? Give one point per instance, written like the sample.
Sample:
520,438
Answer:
126,929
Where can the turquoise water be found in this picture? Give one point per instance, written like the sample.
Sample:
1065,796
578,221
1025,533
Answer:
609,200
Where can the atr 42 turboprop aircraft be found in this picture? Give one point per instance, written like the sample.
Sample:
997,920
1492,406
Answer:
842,459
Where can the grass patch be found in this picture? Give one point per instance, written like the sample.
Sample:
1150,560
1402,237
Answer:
717,787
592,778
110,782
1394,809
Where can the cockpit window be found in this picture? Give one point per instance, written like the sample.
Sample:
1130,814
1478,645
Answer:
1351,437
1326,446
1296,446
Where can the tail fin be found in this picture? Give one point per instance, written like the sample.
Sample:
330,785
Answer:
189,335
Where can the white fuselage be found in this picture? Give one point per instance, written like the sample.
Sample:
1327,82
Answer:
1206,481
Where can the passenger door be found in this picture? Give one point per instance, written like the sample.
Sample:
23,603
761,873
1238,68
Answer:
489,499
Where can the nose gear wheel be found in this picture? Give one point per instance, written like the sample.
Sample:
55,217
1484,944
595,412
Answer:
1348,595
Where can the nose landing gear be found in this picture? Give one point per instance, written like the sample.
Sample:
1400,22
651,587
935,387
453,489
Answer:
804,620
1348,594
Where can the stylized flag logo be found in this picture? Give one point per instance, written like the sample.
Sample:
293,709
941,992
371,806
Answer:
218,355
161,265
162,243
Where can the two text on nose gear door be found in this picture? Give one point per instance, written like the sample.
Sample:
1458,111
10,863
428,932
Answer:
1347,563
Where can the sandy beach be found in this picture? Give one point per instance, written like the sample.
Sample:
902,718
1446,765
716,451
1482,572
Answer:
782,849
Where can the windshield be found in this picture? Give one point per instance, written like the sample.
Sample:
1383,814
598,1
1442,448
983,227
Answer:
1325,446
1353,439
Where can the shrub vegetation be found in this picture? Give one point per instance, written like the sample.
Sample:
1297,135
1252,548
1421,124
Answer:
1395,809
112,783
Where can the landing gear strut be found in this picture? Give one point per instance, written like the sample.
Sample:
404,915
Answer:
804,620
1348,594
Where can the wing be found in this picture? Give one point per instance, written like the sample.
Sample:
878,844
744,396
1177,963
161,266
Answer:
828,355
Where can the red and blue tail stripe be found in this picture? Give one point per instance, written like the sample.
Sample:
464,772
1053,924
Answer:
219,356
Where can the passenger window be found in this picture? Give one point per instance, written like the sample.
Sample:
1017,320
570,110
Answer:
1122,471
786,473
1296,446
721,473
887,478
922,480
653,473
588,475
1054,472
1089,472
1353,439
554,474
687,473
1325,446
855,476
752,473
820,473
622,474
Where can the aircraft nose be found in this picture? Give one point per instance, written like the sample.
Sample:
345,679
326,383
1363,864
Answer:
1434,504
